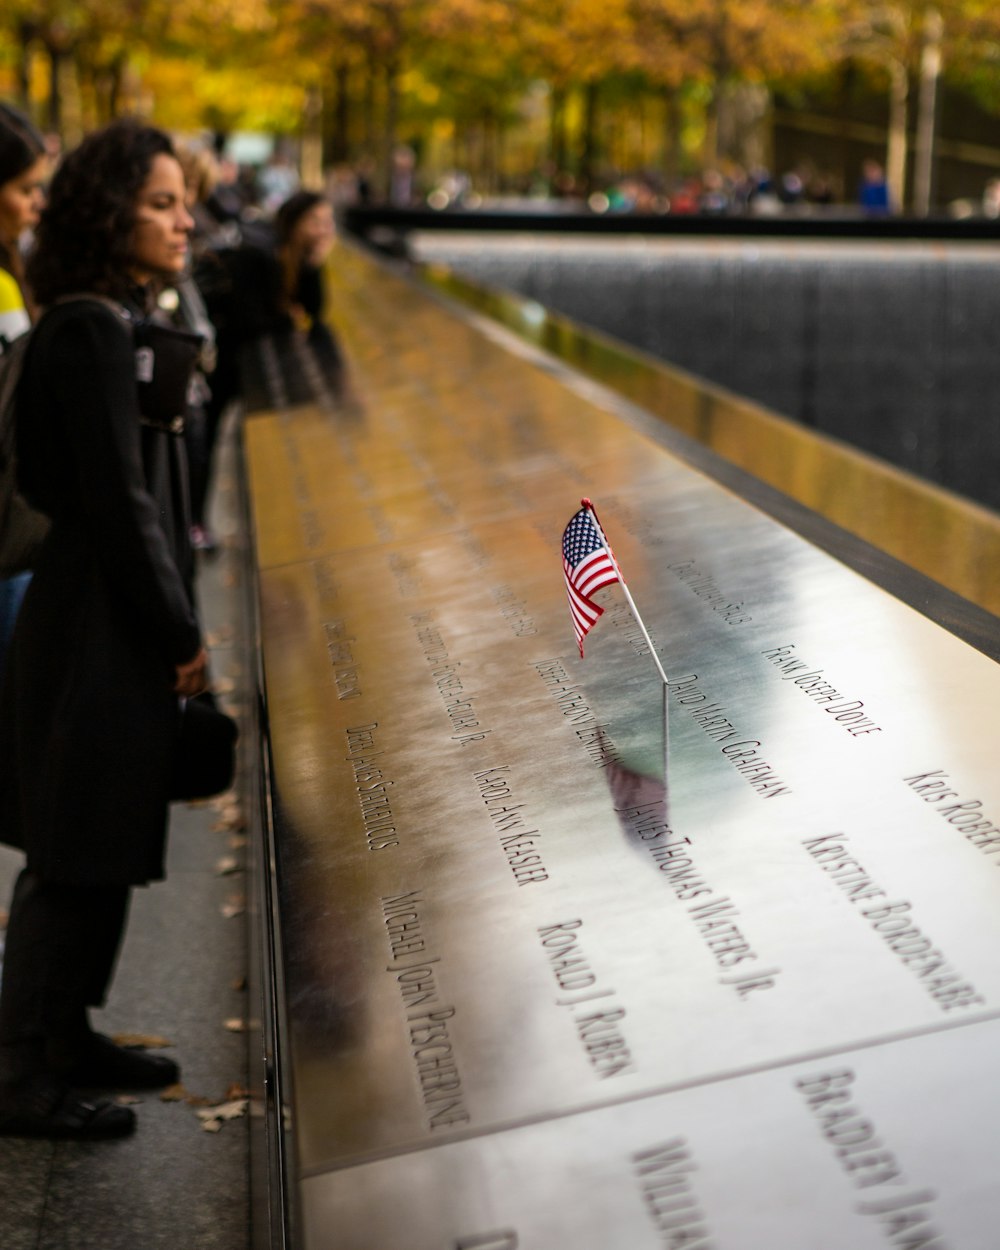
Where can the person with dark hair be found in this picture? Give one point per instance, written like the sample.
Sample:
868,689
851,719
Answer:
304,227
107,642
23,168
266,299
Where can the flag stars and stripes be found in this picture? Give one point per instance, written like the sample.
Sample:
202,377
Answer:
588,565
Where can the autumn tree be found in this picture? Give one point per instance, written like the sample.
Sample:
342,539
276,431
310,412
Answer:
575,46
729,45
915,43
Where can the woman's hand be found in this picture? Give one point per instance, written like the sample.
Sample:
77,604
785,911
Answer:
191,677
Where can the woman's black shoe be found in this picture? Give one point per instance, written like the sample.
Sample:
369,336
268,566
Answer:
41,1107
101,1064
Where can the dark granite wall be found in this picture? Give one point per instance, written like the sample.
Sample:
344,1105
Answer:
893,347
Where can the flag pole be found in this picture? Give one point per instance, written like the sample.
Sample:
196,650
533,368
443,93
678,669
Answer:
625,590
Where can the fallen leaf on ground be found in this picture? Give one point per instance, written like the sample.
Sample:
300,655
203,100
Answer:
140,1041
127,1100
228,864
240,984
231,819
238,841
236,1026
213,1118
237,1090
235,906
180,1093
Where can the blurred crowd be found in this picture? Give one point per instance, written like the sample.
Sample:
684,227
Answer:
724,191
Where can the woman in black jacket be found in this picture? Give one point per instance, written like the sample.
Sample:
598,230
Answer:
107,638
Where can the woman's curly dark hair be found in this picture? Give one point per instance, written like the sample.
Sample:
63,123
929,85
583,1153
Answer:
84,239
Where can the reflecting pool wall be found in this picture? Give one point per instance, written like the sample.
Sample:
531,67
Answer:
891,346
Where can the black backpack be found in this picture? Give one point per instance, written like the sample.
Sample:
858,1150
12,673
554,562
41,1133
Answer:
22,527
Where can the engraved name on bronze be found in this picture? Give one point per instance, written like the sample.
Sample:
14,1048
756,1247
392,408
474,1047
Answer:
514,612
427,1018
459,703
665,1174
372,787
846,711
404,570
965,815
312,529
339,649
894,923
592,736
905,1218
645,824
623,619
703,585
440,497
380,522
478,555
327,587
519,843
598,1029
744,754
635,523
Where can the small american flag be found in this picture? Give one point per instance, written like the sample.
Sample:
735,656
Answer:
588,565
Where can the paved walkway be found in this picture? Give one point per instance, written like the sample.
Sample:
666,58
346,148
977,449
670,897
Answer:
173,1186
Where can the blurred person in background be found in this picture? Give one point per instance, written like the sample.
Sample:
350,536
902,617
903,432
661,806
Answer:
267,300
23,170
873,190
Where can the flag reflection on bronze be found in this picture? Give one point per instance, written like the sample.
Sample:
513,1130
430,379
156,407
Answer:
588,565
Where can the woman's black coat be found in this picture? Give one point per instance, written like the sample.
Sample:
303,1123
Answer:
87,712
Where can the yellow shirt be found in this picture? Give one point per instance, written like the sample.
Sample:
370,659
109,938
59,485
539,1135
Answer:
13,316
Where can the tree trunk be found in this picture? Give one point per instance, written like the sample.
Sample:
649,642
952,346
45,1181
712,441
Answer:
489,171
895,157
710,146
501,155
390,123
368,104
27,32
557,131
930,73
55,109
671,136
340,131
312,139
742,126
116,88
588,146
71,99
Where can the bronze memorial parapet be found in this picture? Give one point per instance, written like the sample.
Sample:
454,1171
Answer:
539,993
